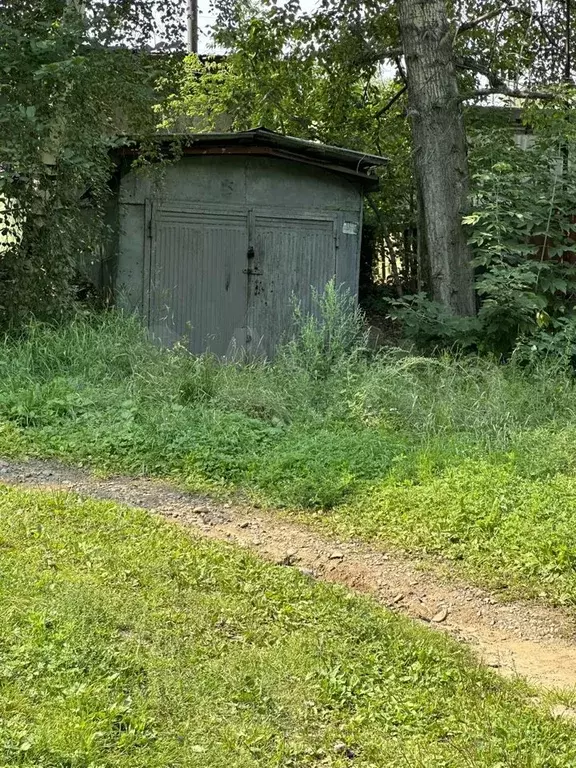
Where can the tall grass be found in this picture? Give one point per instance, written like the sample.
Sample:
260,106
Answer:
326,425
325,412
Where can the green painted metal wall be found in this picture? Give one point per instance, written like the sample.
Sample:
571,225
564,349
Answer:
213,252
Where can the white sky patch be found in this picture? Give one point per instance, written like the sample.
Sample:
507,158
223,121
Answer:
207,19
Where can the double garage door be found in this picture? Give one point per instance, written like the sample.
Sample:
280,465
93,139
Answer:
223,280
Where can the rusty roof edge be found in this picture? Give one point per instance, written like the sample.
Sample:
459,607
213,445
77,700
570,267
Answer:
365,158
351,158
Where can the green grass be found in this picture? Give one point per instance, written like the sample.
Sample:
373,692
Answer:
458,458
124,642
511,532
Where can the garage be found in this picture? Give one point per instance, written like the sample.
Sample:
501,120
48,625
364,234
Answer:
214,250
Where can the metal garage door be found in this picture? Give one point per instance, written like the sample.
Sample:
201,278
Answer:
225,279
196,277
293,254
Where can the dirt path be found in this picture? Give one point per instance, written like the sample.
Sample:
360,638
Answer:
517,638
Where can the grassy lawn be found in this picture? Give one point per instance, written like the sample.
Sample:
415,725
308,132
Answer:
124,642
459,458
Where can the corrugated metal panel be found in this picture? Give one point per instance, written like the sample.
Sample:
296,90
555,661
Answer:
292,255
187,273
197,288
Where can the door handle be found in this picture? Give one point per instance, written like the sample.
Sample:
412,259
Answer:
251,271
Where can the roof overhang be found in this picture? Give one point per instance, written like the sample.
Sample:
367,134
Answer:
261,142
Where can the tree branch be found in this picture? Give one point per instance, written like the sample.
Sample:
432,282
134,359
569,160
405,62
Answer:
400,68
466,62
389,53
497,85
480,19
526,12
503,90
392,101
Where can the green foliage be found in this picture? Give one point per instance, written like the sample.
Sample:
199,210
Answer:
522,231
90,391
200,379
332,335
126,642
389,445
431,326
554,341
318,74
320,467
321,74
66,95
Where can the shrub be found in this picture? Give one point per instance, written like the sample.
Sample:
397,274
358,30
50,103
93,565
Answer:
334,334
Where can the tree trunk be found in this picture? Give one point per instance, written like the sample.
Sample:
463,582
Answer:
440,162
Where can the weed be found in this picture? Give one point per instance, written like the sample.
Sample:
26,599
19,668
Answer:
390,445
331,336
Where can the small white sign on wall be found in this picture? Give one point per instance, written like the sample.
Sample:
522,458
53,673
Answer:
350,228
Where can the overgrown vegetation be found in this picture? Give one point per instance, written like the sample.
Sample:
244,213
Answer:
317,73
127,643
73,90
522,230
457,457
69,91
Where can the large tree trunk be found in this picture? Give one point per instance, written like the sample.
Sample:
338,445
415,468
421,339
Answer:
439,149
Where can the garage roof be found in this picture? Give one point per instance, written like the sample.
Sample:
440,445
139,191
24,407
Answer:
264,142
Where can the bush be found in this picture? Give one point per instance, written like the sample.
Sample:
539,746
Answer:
430,326
333,335
522,234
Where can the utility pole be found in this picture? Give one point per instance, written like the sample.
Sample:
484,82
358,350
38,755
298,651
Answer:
568,44
568,81
192,26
